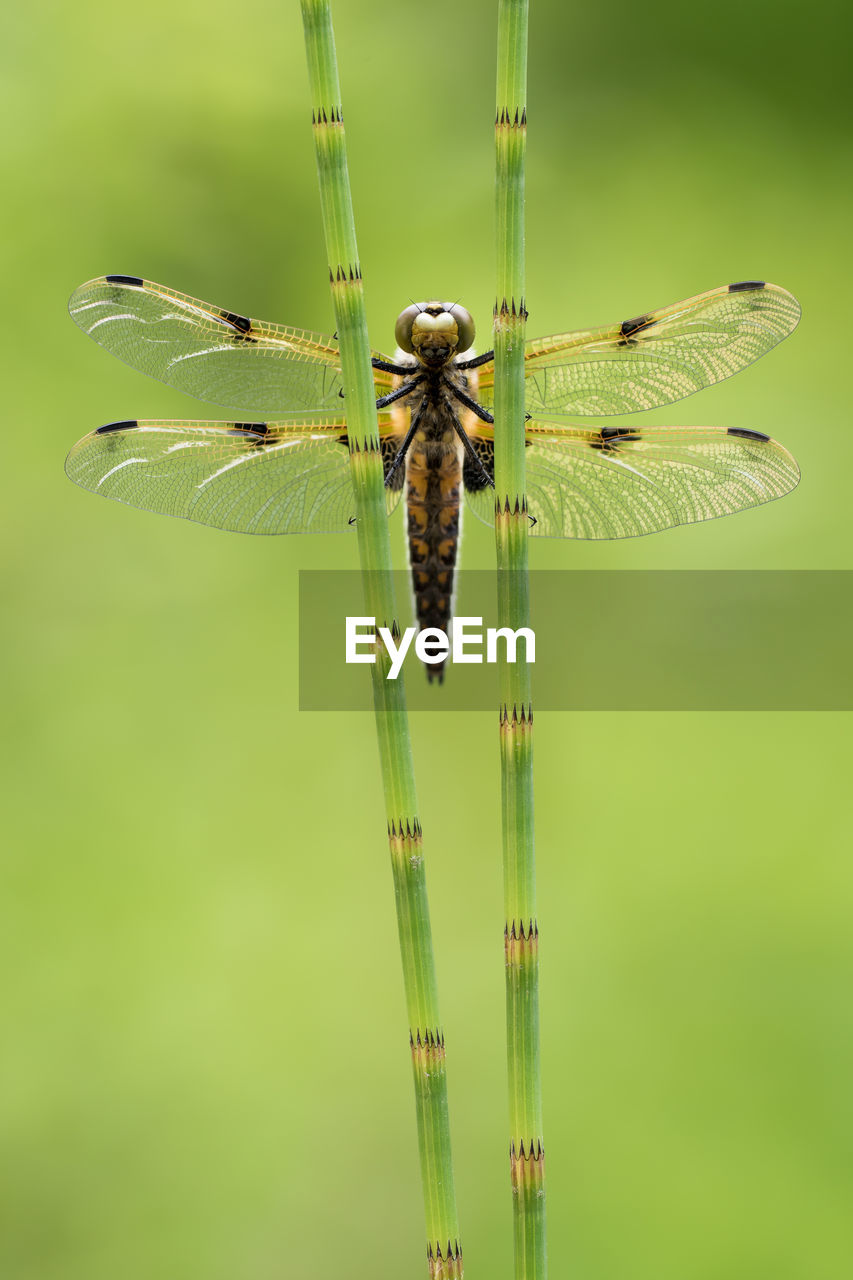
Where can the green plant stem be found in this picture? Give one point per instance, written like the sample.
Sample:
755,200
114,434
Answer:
521,939
426,1037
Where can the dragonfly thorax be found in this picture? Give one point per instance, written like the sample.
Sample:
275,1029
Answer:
434,332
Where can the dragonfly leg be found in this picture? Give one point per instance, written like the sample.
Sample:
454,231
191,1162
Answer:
470,403
388,366
404,447
473,456
476,361
399,393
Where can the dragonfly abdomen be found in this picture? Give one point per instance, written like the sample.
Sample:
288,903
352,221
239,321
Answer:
434,478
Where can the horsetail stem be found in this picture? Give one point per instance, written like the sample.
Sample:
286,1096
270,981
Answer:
521,937
426,1037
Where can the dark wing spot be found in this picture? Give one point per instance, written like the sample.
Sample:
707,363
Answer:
629,327
389,447
472,476
743,433
252,432
242,323
134,280
744,286
609,438
117,426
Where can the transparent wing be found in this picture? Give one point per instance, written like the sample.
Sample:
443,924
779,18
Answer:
209,352
656,358
242,476
620,483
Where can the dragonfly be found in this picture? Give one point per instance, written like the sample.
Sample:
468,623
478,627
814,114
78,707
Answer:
290,471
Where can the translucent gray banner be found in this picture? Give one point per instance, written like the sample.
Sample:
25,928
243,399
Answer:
610,641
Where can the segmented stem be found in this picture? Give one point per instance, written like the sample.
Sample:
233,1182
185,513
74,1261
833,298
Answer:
521,938
426,1037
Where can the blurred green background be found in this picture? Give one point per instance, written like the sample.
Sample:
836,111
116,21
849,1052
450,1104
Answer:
204,1059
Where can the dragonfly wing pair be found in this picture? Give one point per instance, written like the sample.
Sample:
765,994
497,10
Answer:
291,475
621,482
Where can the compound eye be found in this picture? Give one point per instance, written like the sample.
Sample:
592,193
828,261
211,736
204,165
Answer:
465,325
403,327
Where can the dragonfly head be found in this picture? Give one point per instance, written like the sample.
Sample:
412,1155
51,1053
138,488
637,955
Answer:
434,332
